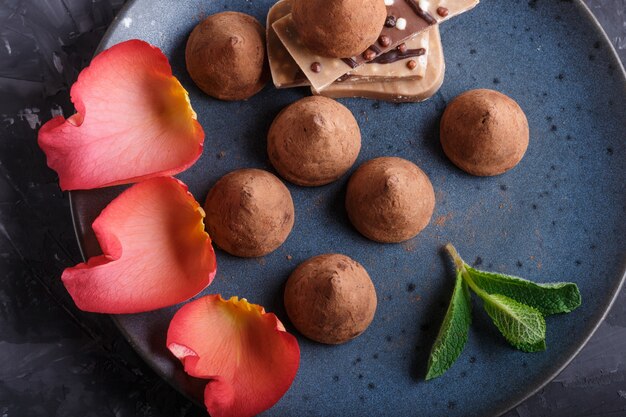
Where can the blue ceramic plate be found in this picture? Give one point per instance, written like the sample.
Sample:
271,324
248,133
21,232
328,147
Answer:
558,216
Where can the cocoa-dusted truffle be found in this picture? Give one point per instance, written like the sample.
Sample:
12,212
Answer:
225,56
338,28
314,141
484,132
330,298
389,199
249,213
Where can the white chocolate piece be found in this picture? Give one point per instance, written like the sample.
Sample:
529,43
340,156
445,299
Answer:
401,23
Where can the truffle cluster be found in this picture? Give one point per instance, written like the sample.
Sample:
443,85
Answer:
316,140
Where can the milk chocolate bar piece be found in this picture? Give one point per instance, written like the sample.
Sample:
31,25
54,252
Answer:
406,18
400,90
285,72
320,71
393,64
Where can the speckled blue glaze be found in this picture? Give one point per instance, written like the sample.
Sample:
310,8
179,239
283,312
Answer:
559,215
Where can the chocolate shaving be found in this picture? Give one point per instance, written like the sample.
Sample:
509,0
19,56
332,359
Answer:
375,48
351,62
394,55
428,18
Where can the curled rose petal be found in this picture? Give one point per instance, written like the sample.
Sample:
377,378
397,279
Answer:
156,252
133,121
244,352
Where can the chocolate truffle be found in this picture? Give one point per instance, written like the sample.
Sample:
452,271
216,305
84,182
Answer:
389,199
225,56
249,213
338,28
484,132
314,141
330,298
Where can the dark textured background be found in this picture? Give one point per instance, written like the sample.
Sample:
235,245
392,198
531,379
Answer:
58,361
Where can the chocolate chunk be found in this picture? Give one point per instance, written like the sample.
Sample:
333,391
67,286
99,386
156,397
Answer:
390,22
368,55
411,64
384,41
402,47
442,11
316,67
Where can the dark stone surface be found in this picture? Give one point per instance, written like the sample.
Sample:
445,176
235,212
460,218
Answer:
58,361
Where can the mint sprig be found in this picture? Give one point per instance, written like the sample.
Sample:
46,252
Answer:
516,306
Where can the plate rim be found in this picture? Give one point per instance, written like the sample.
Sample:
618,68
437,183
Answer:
509,404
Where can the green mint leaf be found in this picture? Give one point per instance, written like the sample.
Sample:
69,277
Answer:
549,299
453,332
522,326
537,347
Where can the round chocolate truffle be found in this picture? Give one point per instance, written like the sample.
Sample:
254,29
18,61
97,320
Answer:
314,141
338,28
249,213
484,132
225,56
330,298
389,199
